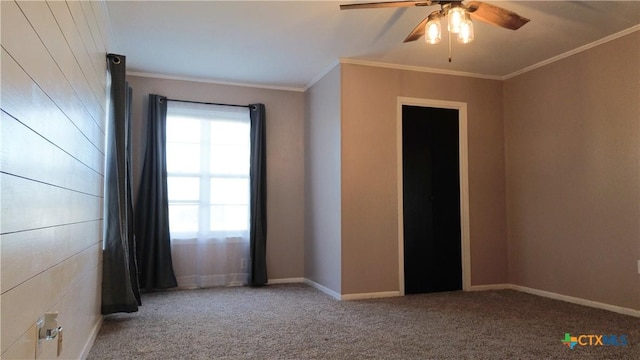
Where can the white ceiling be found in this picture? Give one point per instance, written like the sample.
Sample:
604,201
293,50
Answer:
290,43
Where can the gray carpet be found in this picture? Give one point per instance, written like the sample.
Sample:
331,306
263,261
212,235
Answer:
295,321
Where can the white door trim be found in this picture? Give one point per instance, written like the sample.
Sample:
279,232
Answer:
464,183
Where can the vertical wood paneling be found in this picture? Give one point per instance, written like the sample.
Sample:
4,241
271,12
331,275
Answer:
97,57
42,20
29,51
88,289
28,205
43,161
43,293
26,253
24,347
66,25
52,123
87,11
102,20
24,100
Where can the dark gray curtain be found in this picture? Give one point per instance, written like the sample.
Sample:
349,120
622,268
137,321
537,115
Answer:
120,291
152,206
258,206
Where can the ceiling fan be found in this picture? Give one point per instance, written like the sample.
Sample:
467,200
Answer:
458,15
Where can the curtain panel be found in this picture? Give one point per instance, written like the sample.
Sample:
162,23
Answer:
120,291
200,260
152,210
258,205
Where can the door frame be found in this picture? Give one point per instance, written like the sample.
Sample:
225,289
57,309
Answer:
464,183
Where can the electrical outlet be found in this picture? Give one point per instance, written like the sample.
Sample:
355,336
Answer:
243,263
638,266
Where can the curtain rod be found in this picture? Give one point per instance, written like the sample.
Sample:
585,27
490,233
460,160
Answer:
208,103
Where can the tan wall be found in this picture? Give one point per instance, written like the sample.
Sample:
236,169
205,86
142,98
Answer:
573,175
369,173
52,150
322,182
285,157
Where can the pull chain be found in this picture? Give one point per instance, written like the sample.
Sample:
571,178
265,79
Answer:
449,36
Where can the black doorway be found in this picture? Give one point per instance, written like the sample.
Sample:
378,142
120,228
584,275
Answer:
431,199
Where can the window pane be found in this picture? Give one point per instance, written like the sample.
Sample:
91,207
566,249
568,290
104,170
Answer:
183,188
229,191
229,159
213,142
183,129
230,132
226,218
183,158
183,218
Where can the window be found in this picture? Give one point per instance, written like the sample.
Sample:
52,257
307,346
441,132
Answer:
208,156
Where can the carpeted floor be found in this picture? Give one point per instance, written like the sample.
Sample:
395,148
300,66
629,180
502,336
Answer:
295,321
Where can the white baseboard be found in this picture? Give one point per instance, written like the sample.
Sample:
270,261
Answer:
575,300
375,295
92,338
547,294
360,296
323,288
285,281
490,287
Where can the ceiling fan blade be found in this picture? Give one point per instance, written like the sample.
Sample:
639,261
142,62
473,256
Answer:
385,4
418,31
495,15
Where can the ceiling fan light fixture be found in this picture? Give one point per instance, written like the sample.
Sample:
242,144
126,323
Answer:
458,18
465,35
455,17
433,29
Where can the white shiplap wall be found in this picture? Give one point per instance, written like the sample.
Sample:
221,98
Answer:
53,95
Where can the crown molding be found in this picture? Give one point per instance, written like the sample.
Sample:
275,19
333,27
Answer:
573,52
493,77
417,68
322,74
211,81
380,64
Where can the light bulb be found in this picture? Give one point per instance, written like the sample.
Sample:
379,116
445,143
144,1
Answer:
455,17
465,35
433,32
